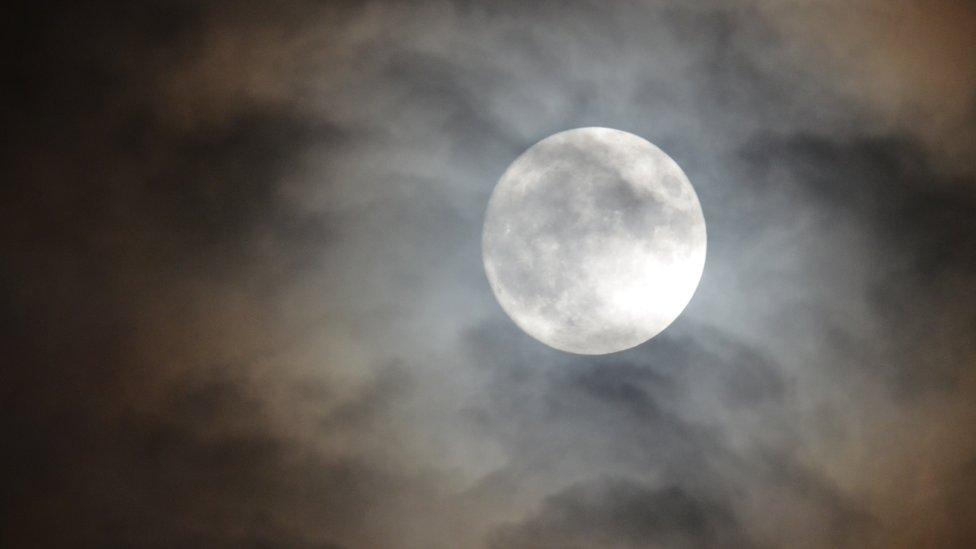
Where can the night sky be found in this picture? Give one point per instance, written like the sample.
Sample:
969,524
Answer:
244,301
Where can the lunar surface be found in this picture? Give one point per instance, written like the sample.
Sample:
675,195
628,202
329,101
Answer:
594,241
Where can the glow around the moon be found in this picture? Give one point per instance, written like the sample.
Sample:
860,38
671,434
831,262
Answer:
594,241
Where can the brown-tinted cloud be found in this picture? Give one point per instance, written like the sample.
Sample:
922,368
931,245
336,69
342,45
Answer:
245,303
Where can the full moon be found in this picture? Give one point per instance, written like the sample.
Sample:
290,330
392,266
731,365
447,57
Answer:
594,241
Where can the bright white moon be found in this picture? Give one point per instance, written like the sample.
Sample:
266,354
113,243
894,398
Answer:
594,241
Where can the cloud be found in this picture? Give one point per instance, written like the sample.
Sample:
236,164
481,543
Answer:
618,513
246,301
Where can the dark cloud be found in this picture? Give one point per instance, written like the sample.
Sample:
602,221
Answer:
619,513
920,232
244,302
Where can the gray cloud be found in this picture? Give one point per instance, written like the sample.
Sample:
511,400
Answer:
623,514
245,302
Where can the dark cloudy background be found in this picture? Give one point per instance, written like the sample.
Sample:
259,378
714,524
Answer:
244,303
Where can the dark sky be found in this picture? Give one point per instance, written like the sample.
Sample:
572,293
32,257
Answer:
244,303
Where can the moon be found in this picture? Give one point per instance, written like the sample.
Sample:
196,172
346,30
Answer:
594,241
